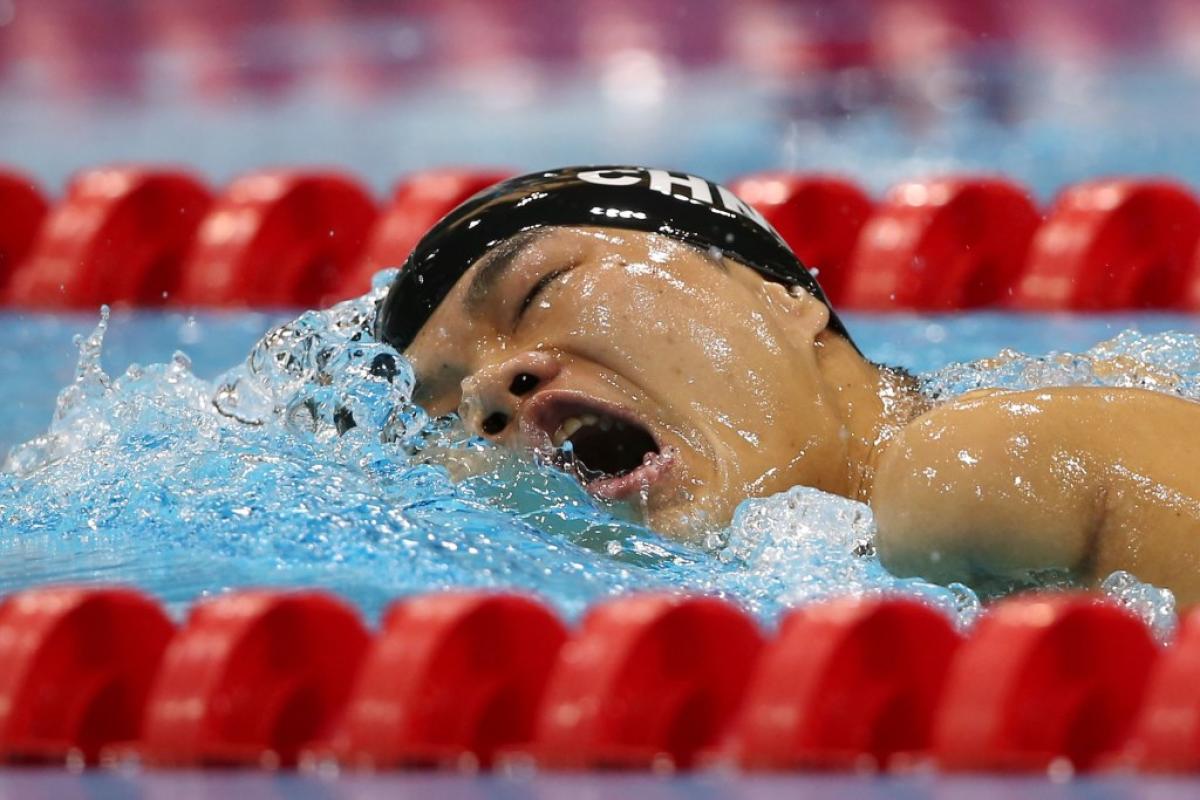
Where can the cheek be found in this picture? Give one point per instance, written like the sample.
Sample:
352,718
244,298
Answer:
705,351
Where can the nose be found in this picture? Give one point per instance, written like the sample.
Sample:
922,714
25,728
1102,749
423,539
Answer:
490,396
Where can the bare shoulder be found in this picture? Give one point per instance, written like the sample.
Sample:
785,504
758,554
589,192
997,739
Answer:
1123,414
994,482
1085,479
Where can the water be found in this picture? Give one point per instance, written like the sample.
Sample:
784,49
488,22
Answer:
307,465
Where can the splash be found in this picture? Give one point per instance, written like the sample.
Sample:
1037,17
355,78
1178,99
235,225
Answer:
1153,604
1165,362
308,464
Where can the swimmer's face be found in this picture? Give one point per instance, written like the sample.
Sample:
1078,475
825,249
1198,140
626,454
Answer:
659,373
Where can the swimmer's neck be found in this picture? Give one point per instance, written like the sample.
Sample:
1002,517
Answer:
873,402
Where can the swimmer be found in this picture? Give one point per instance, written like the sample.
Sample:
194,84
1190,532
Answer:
650,332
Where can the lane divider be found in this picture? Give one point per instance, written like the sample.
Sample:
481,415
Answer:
475,680
75,670
23,209
277,238
942,245
819,216
848,684
1167,734
417,203
1043,680
648,681
251,678
1114,244
118,236
145,235
450,680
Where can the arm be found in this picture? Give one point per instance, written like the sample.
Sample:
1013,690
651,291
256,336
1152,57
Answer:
1084,480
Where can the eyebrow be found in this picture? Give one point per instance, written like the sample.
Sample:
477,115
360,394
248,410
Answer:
499,260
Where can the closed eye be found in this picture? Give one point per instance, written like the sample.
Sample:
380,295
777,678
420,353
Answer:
538,287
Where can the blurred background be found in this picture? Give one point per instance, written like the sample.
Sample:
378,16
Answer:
1046,91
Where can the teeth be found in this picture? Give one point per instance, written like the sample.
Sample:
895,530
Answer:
572,424
567,429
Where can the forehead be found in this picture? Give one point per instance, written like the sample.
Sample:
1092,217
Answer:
537,246
471,318
484,286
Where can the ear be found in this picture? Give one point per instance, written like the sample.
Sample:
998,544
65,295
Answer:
798,310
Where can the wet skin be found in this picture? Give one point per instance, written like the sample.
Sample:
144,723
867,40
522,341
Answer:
683,382
1084,480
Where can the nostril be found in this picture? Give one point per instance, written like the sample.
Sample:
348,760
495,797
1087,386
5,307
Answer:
494,423
524,383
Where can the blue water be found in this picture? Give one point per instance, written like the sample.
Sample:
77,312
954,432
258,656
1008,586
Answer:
37,357
199,473
40,784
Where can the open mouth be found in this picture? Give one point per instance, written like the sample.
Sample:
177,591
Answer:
613,454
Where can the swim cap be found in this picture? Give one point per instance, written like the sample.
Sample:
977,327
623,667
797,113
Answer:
673,204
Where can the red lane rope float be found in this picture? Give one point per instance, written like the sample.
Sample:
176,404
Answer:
1114,244
648,681
24,209
942,245
75,668
819,216
1040,680
118,236
278,238
251,678
1167,737
450,679
845,681
418,201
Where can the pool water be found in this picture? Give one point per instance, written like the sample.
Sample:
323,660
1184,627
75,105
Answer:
234,466
38,784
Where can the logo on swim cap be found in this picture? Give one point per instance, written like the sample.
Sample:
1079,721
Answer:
673,184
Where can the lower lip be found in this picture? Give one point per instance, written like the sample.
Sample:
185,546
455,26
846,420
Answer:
628,485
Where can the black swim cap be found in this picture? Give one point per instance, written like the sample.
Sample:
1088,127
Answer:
673,204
